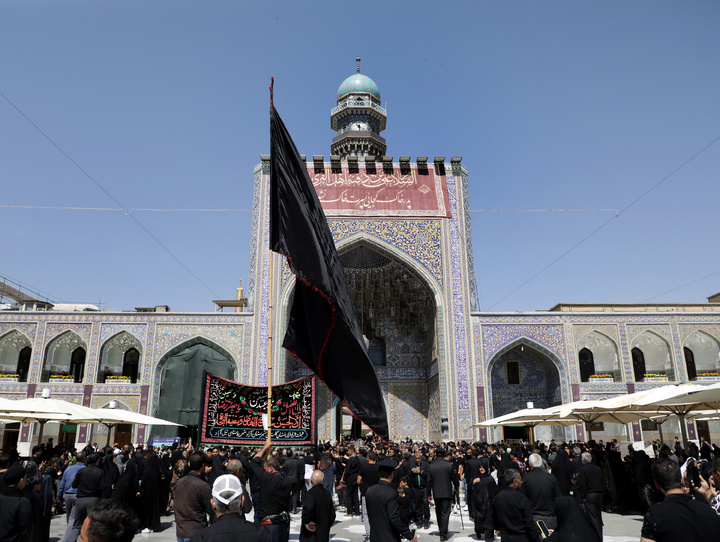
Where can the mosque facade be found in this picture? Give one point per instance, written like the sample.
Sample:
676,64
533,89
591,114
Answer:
402,230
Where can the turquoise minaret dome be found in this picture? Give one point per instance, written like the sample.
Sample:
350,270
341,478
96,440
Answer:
358,83
358,119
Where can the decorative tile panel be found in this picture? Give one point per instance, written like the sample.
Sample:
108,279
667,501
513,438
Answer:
420,239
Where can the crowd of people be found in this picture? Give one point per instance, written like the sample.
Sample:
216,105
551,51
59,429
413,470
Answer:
521,492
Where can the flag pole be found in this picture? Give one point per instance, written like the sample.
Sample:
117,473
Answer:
269,357
270,316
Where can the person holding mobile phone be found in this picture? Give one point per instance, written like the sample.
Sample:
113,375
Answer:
678,516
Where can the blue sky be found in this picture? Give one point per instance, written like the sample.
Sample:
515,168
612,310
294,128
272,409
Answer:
552,105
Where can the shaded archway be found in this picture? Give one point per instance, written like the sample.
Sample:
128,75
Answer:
523,372
114,357
65,355
702,355
397,303
651,355
179,383
15,353
598,354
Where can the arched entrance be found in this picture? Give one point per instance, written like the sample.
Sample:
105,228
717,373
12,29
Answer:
179,384
396,309
346,424
520,374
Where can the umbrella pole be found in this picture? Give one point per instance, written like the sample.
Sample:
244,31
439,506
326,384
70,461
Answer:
109,428
683,430
662,440
40,433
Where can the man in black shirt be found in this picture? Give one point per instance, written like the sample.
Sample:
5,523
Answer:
382,503
90,483
440,482
227,502
16,523
352,469
678,517
512,515
418,481
291,468
368,477
592,487
274,499
541,488
471,471
318,513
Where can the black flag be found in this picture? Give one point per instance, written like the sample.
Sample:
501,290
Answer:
323,330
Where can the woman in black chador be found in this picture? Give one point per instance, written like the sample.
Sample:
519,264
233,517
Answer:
126,489
562,470
151,495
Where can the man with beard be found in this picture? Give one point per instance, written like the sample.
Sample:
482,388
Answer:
418,476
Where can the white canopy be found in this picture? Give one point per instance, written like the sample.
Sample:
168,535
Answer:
43,410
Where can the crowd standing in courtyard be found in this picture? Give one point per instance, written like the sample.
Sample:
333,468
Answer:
505,491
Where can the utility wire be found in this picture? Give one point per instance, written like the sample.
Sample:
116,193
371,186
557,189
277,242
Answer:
683,286
126,211
596,230
210,210
122,207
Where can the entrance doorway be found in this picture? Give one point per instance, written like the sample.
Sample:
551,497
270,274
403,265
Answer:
67,435
180,391
123,434
523,374
347,425
10,436
703,430
515,435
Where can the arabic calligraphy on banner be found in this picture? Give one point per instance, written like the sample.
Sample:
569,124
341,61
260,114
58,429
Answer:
411,192
234,413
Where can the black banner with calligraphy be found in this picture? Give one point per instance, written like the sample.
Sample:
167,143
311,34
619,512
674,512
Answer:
234,413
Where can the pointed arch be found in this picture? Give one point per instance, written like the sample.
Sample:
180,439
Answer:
112,356
65,354
391,251
604,352
177,381
656,355
423,323
522,342
702,354
15,354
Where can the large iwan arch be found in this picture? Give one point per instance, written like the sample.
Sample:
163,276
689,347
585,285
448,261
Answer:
399,308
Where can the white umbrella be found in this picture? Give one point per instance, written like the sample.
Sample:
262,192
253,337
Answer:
116,416
514,418
528,417
679,400
44,409
700,396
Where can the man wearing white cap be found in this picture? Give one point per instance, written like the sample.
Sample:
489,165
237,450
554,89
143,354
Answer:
227,502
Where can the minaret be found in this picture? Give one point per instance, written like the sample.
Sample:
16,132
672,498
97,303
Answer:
358,119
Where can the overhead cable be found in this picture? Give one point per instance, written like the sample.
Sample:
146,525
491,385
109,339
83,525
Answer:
596,230
120,205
